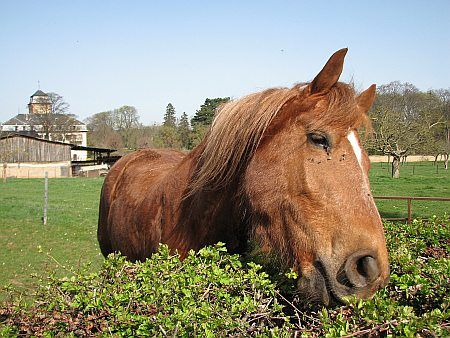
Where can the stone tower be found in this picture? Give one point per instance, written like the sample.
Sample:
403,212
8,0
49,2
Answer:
40,103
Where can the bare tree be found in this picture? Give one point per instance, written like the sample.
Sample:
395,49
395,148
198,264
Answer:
100,120
113,140
443,132
145,137
109,125
398,120
101,130
126,119
58,105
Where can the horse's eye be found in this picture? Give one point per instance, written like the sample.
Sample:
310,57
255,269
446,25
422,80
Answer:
319,140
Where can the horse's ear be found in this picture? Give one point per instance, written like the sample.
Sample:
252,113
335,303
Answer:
329,74
366,98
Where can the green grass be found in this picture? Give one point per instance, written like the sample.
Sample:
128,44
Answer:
416,179
70,235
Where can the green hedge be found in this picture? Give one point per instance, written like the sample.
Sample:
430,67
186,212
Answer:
212,293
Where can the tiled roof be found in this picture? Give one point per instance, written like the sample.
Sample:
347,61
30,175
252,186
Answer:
17,120
39,93
36,119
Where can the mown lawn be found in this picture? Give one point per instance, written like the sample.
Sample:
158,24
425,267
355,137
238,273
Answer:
416,179
28,247
69,236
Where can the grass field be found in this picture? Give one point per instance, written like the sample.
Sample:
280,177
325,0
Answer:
69,237
416,179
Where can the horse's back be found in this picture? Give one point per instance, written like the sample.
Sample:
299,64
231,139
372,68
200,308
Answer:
130,180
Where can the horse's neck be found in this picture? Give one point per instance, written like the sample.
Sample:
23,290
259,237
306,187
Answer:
204,218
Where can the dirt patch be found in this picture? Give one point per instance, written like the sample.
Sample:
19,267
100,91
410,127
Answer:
435,252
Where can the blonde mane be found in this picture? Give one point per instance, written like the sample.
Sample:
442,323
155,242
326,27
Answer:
234,136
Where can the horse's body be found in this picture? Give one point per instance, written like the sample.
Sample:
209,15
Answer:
283,167
142,205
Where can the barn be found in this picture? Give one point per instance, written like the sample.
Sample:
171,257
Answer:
29,156
24,156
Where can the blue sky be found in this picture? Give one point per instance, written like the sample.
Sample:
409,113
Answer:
100,55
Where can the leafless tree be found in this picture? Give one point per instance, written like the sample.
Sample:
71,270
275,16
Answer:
58,105
104,126
404,120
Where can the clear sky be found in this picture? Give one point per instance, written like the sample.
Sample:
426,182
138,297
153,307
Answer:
100,55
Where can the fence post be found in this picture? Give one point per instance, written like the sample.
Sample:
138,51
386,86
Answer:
44,218
409,210
4,172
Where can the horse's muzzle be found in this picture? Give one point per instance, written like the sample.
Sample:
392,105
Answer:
360,275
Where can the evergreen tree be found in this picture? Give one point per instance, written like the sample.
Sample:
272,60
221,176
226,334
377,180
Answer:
207,110
169,117
184,131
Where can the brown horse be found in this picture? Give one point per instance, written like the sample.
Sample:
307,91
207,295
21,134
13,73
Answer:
282,167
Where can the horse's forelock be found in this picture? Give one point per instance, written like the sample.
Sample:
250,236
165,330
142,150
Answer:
340,110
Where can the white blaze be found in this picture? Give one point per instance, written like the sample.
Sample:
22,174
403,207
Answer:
356,147
367,195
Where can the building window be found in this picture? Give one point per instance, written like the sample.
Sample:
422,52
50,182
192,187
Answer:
16,128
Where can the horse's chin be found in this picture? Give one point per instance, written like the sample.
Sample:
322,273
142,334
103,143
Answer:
316,288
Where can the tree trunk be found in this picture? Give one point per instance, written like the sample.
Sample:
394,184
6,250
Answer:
396,166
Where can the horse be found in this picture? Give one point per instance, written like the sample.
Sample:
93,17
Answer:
283,168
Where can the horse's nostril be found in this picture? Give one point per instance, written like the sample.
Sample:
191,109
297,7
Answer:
368,268
361,269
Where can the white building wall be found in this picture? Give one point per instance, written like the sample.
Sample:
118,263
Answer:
36,170
78,155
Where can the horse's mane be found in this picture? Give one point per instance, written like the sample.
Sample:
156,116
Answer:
239,126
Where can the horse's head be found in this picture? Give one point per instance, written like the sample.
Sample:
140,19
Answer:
308,190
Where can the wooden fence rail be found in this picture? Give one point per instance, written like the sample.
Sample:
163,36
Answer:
409,200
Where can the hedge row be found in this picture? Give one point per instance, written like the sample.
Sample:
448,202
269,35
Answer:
212,293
